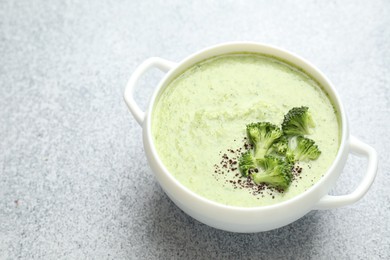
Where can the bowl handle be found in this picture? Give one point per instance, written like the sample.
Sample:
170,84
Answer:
163,65
359,148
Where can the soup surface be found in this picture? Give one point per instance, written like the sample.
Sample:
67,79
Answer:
199,122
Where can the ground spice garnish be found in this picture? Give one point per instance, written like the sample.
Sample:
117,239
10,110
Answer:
296,172
229,164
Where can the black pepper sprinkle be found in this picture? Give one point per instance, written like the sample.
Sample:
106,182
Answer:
227,165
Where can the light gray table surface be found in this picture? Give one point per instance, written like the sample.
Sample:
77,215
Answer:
74,180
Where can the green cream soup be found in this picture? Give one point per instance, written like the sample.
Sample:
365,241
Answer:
199,124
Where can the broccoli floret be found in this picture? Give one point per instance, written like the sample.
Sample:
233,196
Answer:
275,150
277,172
290,157
280,146
297,121
246,163
262,135
305,150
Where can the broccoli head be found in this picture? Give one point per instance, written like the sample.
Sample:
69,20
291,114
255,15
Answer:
246,163
280,146
305,150
275,150
297,121
262,135
276,173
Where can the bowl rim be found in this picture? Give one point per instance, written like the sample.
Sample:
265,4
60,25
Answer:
284,56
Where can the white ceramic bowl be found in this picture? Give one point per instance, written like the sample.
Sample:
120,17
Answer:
256,219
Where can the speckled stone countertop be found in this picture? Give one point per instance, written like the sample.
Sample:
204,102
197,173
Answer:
74,180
